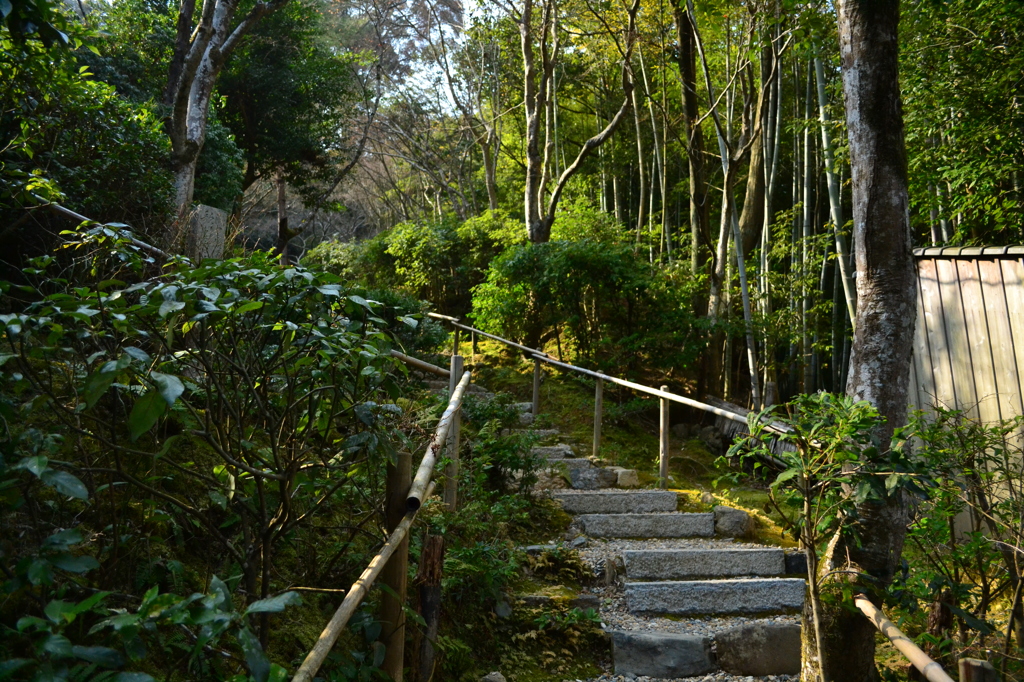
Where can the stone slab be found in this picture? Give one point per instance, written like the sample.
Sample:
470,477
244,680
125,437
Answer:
647,525
660,655
571,463
759,649
796,563
592,478
618,502
700,597
560,451
680,564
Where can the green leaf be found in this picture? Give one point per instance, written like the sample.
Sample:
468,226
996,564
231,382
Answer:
96,385
5,8
246,307
168,307
12,665
145,413
170,386
100,655
37,465
74,564
259,666
275,604
58,646
65,484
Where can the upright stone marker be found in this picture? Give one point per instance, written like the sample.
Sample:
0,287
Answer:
207,232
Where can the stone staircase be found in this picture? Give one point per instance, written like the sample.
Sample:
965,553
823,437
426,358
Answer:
680,598
683,594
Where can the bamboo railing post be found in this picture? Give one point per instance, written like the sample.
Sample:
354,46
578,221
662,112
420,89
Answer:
428,577
455,341
451,471
663,442
598,413
476,348
536,386
976,670
396,572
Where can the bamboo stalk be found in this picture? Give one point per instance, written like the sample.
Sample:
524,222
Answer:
932,671
420,364
360,588
598,414
417,492
451,471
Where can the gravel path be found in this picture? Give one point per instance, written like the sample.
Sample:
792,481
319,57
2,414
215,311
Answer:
710,677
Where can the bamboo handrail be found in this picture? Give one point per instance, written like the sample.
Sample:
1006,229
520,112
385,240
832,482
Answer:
533,353
932,671
360,588
420,364
426,469
422,487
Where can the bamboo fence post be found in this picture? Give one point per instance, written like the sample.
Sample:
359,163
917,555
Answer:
396,572
476,348
451,471
455,341
536,386
976,670
598,413
429,579
663,443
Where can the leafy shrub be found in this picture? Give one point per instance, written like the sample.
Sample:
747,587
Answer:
439,262
609,304
103,155
217,411
966,536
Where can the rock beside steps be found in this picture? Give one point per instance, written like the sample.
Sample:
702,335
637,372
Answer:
687,571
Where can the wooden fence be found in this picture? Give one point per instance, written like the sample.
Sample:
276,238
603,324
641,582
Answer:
969,339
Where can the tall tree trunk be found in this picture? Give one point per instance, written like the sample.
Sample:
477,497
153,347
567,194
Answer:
752,215
700,228
886,309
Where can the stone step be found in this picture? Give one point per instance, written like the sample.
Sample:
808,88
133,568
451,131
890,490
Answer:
553,452
571,463
656,525
661,655
752,649
680,564
617,502
707,597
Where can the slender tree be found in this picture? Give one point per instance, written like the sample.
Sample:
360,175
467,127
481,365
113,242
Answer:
879,366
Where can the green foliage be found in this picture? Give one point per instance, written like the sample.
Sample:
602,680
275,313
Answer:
836,463
960,81
607,301
65,137
228,407
301,128
220,167
965,534
436,261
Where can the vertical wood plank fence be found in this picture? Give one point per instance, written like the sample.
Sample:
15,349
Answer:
969,338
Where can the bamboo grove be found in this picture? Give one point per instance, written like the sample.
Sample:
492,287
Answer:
713,134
